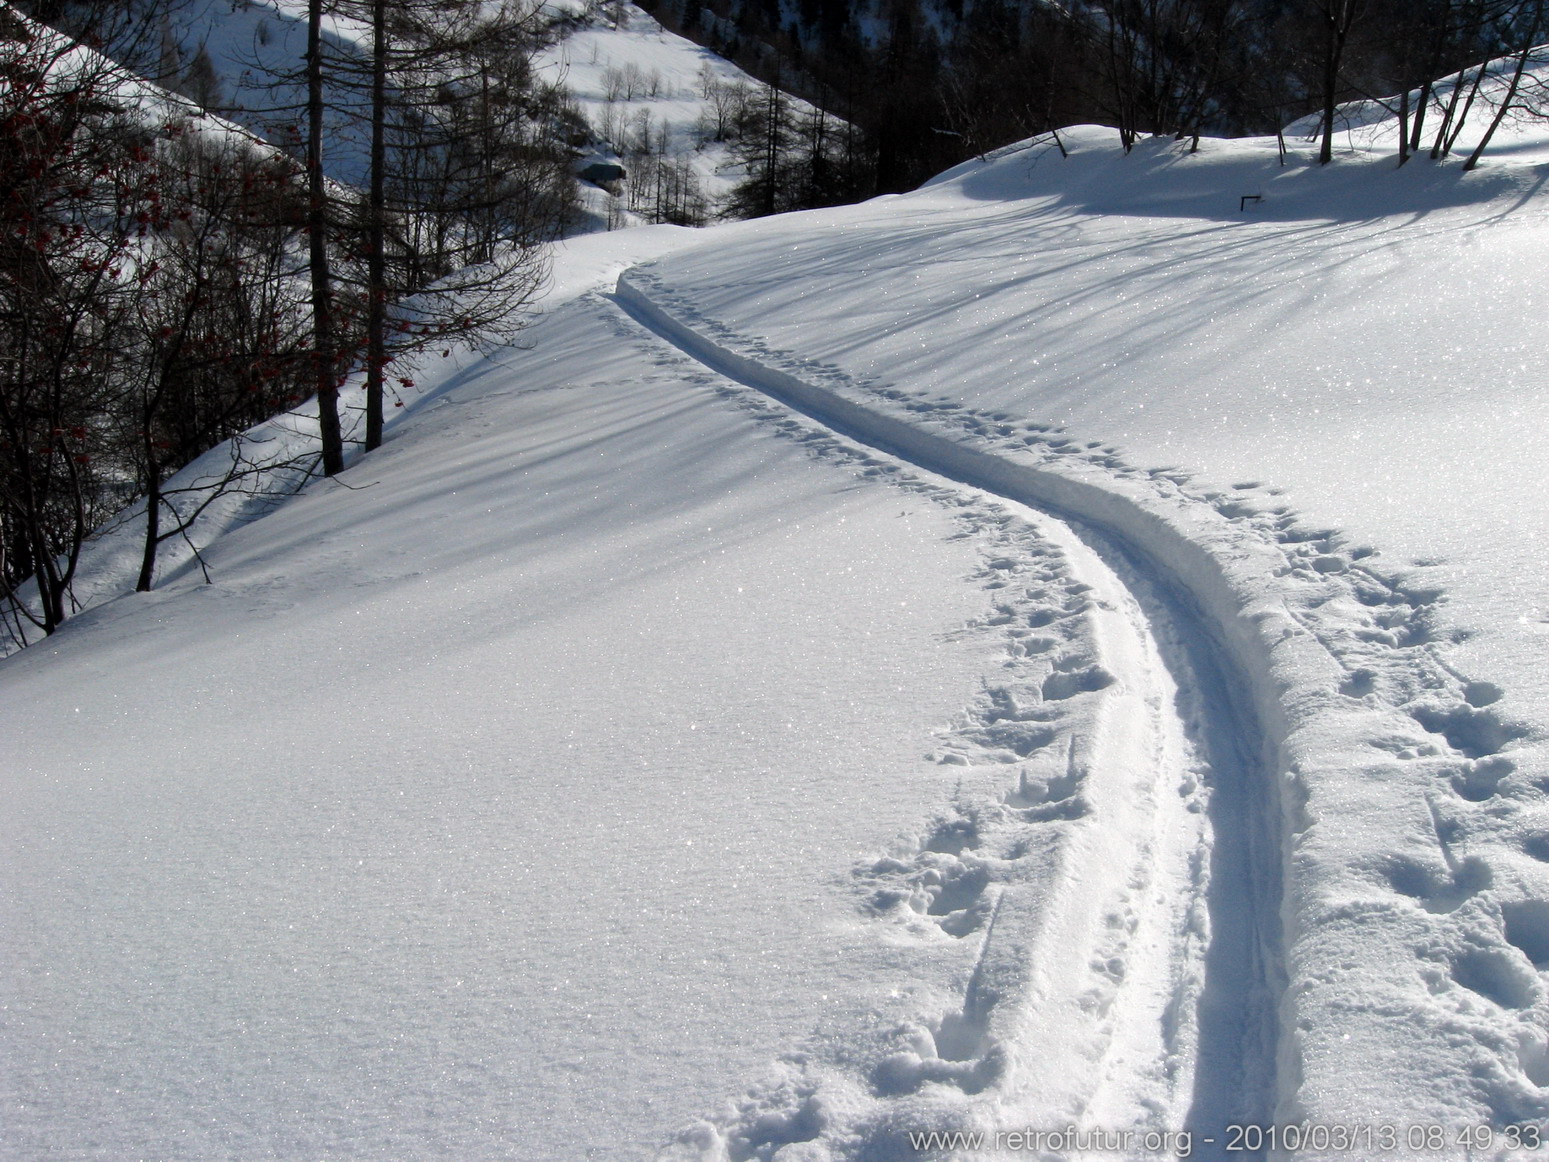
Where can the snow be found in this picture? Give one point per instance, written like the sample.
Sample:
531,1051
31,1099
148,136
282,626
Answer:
666,77
256,50
478,833
1398,346
622,70
1343,372
1059,649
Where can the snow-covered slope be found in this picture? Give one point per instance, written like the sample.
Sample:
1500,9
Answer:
632,81
1310,416
497,816
1062,649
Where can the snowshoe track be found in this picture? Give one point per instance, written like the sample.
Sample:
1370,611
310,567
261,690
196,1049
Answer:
1287,646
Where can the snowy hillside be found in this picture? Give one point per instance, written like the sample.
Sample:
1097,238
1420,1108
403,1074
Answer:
649,98
1057,656
1310,419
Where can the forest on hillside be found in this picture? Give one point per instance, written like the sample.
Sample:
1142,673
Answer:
929,83
169,278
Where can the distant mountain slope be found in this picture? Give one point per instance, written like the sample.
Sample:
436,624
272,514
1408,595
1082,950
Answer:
664,110
933,82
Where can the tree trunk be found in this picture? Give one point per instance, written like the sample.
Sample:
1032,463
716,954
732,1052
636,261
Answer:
1528,43
1340,16
324,353
376,232
1403,124
152,519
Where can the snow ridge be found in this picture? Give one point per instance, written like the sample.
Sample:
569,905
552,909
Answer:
1325,677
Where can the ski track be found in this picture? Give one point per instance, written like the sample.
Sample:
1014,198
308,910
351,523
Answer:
1108,779
1185,670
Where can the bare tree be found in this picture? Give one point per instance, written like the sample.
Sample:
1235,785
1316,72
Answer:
763,146
325,354
1337,19
1530,21
220,335
463,164
442,121
73,166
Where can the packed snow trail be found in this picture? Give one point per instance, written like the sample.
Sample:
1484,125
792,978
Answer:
1129,970
1389,833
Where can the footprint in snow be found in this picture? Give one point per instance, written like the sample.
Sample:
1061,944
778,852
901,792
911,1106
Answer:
1437,888
1481,779
1473,731
1075,675
1527,927
1498,976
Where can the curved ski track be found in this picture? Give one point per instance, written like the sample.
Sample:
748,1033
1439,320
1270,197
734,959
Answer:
1367,926
1136,987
